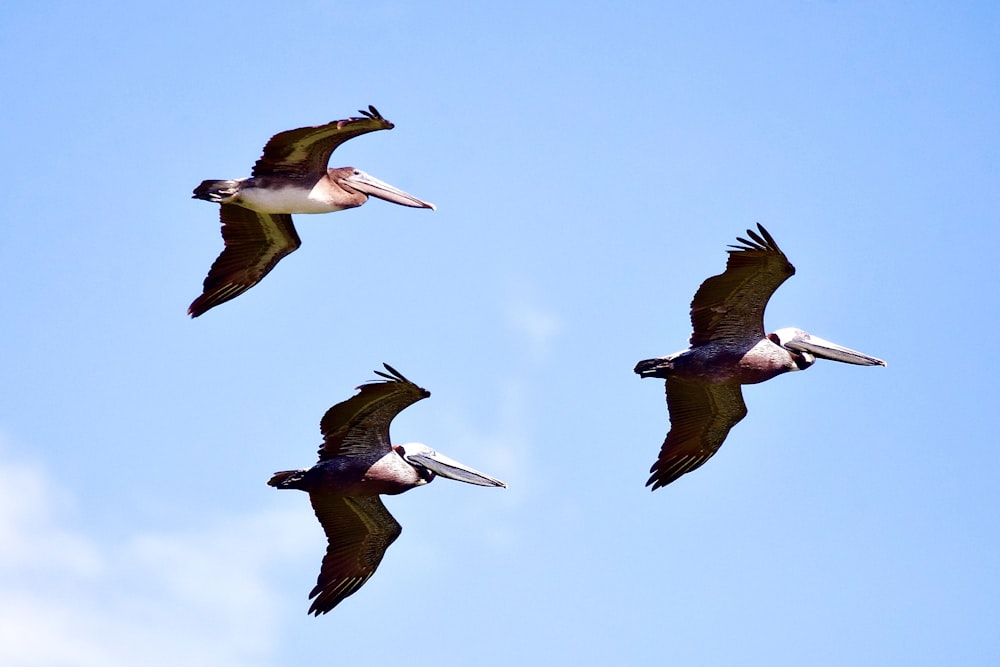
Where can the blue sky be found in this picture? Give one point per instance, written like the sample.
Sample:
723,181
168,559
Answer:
590,163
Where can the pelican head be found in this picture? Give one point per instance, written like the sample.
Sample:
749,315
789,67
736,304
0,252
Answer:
356,180
425,459
806,348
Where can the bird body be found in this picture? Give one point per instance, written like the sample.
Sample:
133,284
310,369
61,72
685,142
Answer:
388,474
728,349
320,197
749,363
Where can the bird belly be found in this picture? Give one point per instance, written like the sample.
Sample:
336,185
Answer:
764,361
352,476
707,363
288,199
755,373
746,364
391,475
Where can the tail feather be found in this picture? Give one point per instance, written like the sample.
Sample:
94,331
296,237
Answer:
287,479
216,191
656,368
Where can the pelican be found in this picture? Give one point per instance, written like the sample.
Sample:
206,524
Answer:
291,177
356,464
729,349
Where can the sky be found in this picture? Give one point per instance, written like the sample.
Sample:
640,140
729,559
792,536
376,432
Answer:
590,163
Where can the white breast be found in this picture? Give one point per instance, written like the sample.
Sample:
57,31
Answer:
289,200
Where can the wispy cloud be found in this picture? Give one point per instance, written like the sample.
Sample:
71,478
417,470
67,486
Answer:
536,323
200,597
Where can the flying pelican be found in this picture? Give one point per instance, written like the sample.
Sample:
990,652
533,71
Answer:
729,349
291,177
357,463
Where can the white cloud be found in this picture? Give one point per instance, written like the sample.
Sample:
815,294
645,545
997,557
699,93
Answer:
27,537
191,598
537,324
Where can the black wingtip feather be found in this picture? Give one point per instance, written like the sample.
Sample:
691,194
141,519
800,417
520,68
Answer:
762,241
393,374
767,236
756,237
371,113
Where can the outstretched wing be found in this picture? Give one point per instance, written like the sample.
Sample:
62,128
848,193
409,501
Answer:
730,306
360,425
701,415
255,243
359,530
307,150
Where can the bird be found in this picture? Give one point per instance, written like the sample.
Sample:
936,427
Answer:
729,348
290,177
357,464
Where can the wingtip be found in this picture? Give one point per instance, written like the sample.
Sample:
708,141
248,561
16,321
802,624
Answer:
202,305
373,114
316,611
759,239
393,374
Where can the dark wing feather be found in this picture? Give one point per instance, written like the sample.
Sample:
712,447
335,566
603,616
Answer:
306,150
701,415
731,306
359,530
255,243
360,425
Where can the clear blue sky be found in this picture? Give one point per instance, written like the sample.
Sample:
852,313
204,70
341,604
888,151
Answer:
590,163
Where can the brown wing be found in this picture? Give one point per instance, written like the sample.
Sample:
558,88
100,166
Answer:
359,530
307,150
731,306
255,242
701,415
360,425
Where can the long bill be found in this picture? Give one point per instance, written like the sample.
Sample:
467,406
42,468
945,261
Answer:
452,469
824,349
368,184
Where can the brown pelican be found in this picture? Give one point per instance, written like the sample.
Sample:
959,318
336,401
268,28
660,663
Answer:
729,349
357,463
291,177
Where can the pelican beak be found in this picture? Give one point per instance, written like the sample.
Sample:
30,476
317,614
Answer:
373,187
446,467
824,349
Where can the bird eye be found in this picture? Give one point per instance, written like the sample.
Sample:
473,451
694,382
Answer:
357,172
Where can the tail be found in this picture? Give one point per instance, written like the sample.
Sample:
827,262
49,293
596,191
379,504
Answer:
655,368
287,479
216,191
